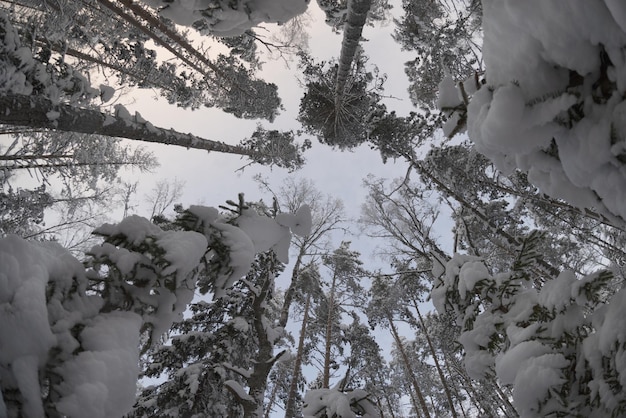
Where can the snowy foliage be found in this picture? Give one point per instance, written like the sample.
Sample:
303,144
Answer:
558,346
444,37
71,332
339,120
61,352
23,74
234,19
333,403
219,359
553,104
120,47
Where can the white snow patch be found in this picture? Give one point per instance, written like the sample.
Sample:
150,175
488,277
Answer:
266,233
53,115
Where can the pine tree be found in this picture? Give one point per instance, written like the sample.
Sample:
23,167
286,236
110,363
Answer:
86,318
442,34
219,360
22,210
338,123
72,156
548,330
119,47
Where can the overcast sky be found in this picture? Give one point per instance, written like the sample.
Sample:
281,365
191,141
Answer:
212,178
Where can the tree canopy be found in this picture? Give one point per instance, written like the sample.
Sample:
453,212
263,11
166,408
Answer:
497,287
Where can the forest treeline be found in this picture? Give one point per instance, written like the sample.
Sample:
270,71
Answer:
255,309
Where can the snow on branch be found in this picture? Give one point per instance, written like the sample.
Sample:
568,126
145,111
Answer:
74,329
552,101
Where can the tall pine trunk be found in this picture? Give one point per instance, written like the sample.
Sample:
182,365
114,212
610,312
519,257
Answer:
328,334
290,407
433,353
290,293
407,366
355,20
39,112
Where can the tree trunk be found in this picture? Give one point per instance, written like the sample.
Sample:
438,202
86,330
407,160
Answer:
392,414
15,157
257,382
147,31
290,407
433,353
271,401
455,386
475,397
289,294
36,112
155,22
328,334
407,365
173,36
509,408
32,166
357,15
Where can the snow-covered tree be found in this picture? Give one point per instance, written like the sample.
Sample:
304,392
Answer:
310,289
557,346
575,237
340,123
22,210
231,19
402,215
384,309
81,326
42,93
77,158
118,47
339,98
219,360
323,403
343,287
303,290
445,38
553,105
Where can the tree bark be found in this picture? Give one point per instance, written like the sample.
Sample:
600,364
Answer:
357,15
407,365
328,334
257,382
146,30
433,353
38,112
290,407
155,22
290,293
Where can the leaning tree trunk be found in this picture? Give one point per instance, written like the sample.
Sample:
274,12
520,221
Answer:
39,112
290,407
328,334
514,241
407,365
291,291
357,15
433,352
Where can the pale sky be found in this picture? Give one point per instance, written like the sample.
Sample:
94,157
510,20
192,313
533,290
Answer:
212,178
